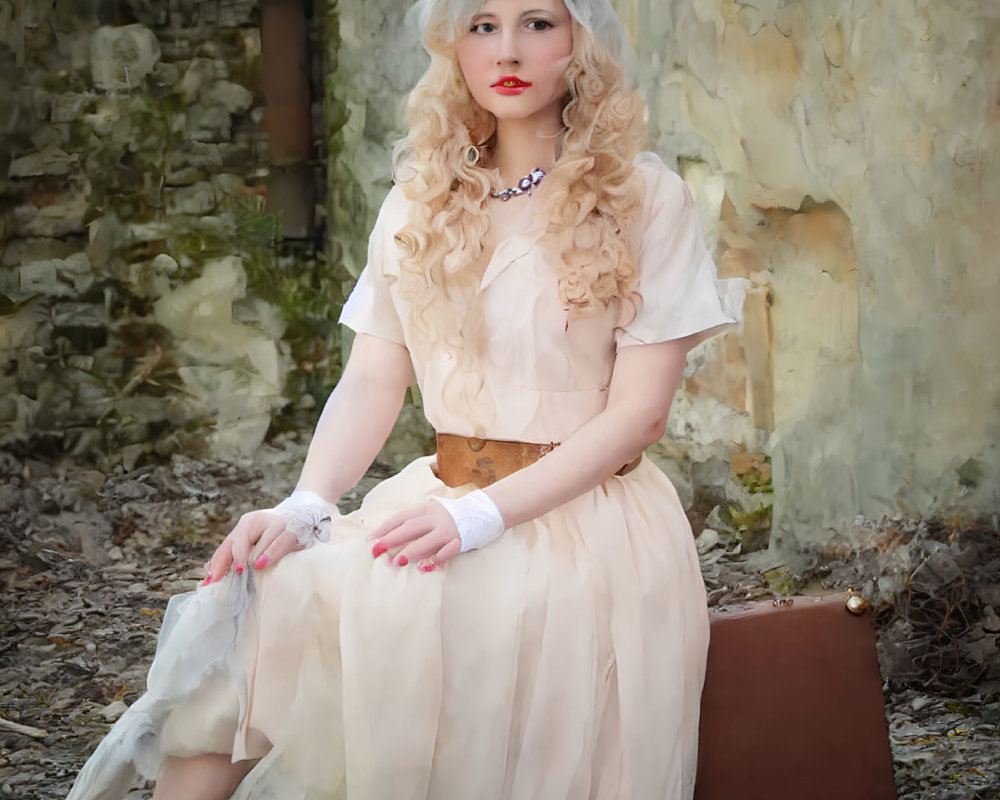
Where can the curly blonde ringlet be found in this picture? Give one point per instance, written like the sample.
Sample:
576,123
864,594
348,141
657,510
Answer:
448,220
591,198
594,195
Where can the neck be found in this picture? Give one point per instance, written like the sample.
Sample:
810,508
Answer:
521,146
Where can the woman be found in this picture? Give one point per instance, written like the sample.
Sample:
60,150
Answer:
522,615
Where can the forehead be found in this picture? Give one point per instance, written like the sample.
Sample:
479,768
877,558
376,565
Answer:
446,19
464,9
520,6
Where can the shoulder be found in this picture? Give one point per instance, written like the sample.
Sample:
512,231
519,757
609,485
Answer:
393,215
665,192
395,211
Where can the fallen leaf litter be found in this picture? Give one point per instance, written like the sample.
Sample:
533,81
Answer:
87,564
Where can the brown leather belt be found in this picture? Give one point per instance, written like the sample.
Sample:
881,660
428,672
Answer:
462,459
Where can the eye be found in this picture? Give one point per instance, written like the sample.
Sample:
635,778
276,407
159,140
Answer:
539,25
483,27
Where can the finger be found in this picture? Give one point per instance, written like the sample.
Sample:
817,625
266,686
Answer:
274,528
407,532
221,561
280,547
427,565
382,546
424,547
398,538
392,552
242,538
448,552
396,520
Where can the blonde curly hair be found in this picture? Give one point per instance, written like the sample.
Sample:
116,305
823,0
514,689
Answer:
591,197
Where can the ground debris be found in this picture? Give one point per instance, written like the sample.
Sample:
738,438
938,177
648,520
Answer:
87,568
935,591
78,631
24,730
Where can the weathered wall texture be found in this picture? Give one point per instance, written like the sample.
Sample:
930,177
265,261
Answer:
144,302
845,158
857,146
373,59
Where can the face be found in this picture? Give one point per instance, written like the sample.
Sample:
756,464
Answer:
514,59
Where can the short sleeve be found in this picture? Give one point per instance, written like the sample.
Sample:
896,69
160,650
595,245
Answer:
681,293
370,308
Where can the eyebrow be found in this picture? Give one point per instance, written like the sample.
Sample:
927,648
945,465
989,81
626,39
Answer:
528,13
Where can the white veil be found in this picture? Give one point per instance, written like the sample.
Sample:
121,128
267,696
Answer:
597,16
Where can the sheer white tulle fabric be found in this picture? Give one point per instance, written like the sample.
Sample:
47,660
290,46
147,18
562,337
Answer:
563,661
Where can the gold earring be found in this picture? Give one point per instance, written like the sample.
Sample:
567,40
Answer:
472,155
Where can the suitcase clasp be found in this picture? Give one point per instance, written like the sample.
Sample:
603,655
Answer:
857,603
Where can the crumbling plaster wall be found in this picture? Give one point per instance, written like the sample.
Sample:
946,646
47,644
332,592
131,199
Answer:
845,159
857,148
373,58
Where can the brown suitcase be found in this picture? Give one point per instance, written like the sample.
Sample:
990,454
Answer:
792,707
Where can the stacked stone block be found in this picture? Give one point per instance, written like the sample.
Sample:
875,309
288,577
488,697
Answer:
134,247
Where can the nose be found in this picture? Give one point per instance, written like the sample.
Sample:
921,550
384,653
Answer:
509,50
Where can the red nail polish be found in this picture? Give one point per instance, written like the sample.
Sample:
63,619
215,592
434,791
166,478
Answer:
401,561
379,549
427,566
261,562
239,569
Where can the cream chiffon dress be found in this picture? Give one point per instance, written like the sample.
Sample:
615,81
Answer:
563,662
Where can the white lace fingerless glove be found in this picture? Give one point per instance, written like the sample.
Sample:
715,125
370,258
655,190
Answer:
308,516
476,517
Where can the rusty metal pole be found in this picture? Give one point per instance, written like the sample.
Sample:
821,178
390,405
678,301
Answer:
291,189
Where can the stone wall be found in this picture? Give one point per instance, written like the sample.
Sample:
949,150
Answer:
849,154
145,300
845,161
374,57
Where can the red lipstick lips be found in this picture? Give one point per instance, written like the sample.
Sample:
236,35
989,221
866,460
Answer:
510,84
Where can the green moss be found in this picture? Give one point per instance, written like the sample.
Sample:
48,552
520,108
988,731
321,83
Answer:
308,294
753,527
758,481
781,581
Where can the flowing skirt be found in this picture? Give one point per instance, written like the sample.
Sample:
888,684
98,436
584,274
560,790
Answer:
565,660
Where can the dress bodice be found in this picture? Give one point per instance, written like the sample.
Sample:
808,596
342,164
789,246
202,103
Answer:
540,372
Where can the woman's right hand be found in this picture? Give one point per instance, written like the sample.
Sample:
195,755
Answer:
260,540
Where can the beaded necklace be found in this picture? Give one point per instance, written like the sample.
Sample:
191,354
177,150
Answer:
523,186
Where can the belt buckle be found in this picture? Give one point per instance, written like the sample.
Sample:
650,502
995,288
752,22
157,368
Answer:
475,445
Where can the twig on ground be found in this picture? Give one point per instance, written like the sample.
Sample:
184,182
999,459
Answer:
26,730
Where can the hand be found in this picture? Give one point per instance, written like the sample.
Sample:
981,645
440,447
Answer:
263,538
260,538
425,534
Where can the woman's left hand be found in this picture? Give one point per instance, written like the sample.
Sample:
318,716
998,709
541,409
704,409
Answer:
425,535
